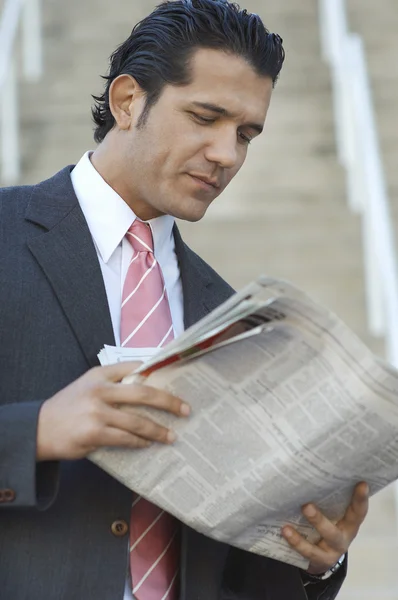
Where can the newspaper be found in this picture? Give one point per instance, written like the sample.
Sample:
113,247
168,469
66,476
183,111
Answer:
288,406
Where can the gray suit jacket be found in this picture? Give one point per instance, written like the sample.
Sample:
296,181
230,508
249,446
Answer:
55,535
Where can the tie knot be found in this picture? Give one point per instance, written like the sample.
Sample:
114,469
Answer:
140,237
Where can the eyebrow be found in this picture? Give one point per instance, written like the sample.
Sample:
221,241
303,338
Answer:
226,113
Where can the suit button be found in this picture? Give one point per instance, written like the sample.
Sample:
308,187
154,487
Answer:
9,495
119,528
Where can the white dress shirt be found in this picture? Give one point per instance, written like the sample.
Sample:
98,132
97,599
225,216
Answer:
108,218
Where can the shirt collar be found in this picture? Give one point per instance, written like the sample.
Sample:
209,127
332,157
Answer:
107,214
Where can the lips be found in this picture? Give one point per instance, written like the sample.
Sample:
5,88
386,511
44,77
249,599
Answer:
212,183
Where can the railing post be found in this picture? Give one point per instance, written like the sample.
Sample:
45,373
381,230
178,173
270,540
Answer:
373,281
356,190
378,231
9,128
31,40
334,36
324,30
333,26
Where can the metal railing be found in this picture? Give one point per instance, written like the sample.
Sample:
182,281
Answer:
16,13
359,152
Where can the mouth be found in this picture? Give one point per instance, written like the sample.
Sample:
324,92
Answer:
206,183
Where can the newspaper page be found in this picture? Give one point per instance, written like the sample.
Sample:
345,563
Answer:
299,411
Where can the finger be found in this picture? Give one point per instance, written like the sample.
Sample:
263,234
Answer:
140,426
116,372
143,395
332,537
319,558
116,438
357,509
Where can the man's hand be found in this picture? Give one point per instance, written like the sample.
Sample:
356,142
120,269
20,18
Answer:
86,415
335,539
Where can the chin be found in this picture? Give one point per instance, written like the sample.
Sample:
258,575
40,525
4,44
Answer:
192,218
191,212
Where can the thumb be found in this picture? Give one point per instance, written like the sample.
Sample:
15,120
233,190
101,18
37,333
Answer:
119,371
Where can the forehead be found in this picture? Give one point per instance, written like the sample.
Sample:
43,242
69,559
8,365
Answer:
229,81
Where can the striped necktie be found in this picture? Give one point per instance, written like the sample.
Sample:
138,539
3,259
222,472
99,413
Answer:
146,323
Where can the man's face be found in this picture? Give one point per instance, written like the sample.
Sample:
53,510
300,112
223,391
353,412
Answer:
195,139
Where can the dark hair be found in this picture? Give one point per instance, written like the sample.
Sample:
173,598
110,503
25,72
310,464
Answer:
160,47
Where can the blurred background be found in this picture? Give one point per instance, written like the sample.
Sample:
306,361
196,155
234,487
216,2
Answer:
291,199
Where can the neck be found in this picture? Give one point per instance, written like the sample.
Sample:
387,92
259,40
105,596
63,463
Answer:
108,162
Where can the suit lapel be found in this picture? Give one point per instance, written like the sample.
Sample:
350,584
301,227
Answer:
67,256
202,566
200,294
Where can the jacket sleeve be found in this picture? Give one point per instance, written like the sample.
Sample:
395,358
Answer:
328,589
24,483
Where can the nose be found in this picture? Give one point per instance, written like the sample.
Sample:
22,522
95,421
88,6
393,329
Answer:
223,149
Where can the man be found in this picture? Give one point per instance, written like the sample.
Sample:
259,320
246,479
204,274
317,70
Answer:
92,257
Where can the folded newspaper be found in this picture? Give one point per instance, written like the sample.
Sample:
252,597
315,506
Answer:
288,406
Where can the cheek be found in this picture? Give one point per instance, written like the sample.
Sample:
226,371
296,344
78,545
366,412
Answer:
232,172
166,154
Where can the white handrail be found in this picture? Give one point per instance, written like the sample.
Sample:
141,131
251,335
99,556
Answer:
359,152
15,11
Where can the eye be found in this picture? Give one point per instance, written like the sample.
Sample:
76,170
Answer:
245,138
203,120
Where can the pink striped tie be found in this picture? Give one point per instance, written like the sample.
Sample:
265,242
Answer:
146,323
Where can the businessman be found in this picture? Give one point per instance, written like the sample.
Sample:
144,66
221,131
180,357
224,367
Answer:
92,257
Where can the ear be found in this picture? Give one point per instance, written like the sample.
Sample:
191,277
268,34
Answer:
125,100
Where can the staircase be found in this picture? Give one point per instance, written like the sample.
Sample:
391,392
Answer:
284,215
